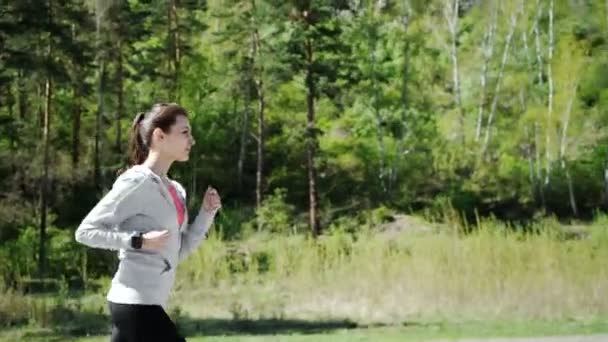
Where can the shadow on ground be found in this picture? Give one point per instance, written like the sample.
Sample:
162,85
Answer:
220,327
71,324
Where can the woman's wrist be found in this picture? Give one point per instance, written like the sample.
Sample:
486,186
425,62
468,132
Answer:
209,211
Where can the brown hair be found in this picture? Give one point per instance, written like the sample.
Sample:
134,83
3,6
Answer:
163,116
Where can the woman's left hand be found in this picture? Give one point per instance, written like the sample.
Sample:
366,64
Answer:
212,201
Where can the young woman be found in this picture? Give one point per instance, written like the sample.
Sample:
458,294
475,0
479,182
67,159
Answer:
144,217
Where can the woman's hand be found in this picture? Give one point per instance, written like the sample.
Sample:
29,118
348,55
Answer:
154,240
212,200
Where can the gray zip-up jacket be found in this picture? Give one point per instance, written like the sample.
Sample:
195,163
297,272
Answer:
140,202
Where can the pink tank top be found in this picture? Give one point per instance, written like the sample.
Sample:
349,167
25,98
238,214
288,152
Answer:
181,210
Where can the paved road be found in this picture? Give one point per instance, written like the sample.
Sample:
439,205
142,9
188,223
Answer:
586,338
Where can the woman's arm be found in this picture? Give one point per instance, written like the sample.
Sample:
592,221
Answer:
100,228
195,232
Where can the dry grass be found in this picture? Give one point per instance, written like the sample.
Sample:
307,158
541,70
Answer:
493,273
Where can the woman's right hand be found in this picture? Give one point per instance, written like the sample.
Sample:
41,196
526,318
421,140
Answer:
154,240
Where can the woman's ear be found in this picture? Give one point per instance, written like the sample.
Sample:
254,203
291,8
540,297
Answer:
158,134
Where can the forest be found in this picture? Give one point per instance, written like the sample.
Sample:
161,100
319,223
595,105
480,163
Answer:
317,121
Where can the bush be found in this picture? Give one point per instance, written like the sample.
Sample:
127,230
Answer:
229,222
274,215
17,258
13,308
594,81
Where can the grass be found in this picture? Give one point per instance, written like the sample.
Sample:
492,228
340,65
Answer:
495,281
413,332
494,273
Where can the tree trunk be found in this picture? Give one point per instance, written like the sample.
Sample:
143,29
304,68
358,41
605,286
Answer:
372,43
46,154
100,112
243,141
505,55
22,105
22,99
84,268
488,48
606,184
120,98
537,184
573,205
524,30
45,179
530,161
40,121
13,134
562,150
533,153
76,126
312,140
100,13
76,113
451,14
76,123
259,85
541,189
259,178
175,51
539,57
566,123
550,102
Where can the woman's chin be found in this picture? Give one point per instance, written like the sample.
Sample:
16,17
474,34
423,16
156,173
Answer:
183,158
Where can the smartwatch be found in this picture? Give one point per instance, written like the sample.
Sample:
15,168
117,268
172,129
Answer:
137,240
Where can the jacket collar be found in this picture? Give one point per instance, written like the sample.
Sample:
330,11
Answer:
164,191
162,188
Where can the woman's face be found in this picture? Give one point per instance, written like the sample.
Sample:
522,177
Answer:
176,143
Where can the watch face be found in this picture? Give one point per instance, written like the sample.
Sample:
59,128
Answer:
136,242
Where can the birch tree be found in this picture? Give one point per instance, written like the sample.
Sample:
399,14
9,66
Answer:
505,54
487,49
451,15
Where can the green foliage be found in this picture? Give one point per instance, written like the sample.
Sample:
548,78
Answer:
594,84
389,132
229,222
18,258
20,261
274,216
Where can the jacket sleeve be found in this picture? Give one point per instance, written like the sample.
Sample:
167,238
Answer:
101,227
195,232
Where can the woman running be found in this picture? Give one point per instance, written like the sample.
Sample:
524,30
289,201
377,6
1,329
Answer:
144,217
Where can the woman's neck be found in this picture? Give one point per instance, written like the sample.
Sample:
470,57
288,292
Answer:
157,164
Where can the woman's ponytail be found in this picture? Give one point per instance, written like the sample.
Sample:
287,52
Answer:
138,149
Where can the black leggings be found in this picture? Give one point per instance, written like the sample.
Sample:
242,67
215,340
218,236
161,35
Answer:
139,323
